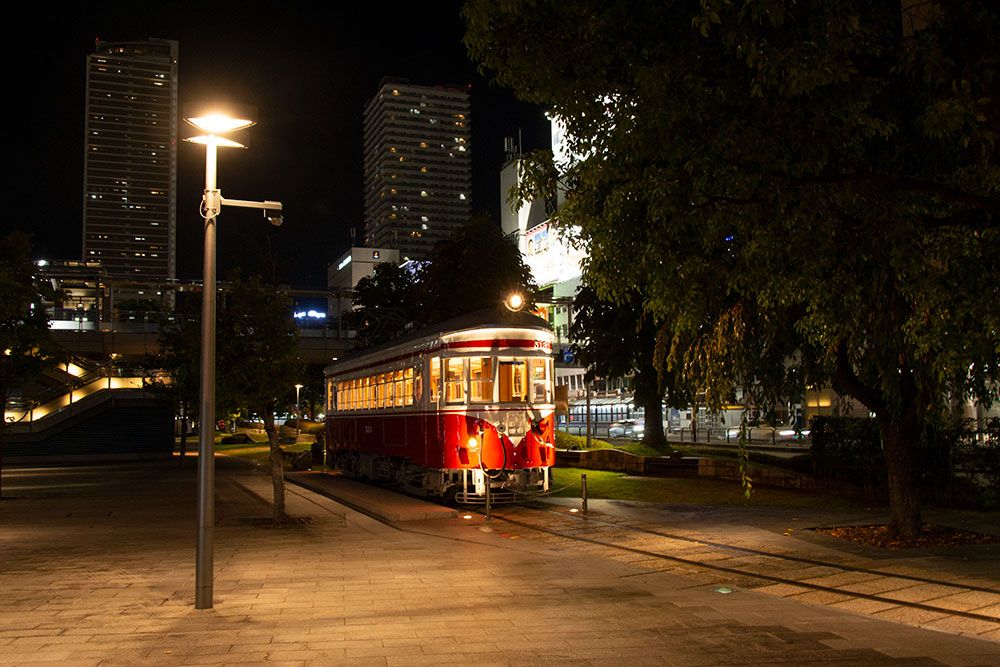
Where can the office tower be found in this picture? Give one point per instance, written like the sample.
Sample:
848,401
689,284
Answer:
418,166
130,166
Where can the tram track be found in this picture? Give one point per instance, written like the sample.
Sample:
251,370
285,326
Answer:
747,563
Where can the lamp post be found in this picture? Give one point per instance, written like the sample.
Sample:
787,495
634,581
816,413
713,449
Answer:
213,122
298,413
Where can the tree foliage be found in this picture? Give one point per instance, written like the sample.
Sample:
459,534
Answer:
475,268
26,346
257,360
818,188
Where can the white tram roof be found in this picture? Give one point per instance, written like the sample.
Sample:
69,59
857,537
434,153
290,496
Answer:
417,341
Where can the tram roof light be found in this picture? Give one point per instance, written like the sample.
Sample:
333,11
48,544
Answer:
514,301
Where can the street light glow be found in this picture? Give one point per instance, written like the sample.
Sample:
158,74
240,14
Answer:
218,141
219,123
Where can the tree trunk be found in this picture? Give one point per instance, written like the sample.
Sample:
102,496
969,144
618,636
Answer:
649,394
277,465
899,437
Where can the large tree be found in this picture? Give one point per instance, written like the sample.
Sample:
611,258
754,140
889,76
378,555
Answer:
258,360
805,190
26,346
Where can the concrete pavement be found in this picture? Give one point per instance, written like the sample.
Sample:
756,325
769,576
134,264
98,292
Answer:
97,567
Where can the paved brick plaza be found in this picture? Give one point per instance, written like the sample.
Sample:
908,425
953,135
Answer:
97,567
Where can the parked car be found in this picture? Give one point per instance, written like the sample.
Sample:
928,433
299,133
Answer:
627,428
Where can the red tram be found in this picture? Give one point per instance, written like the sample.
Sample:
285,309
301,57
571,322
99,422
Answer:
447,410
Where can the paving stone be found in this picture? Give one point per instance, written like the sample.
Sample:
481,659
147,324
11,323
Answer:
348,590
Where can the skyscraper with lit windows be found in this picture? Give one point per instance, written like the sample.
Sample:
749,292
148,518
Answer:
130,165
418,166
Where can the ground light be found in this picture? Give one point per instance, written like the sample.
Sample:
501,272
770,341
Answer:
213,121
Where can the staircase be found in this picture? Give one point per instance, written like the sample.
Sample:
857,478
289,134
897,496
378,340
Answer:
81,410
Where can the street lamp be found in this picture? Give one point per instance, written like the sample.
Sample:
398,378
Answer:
298,413
213,122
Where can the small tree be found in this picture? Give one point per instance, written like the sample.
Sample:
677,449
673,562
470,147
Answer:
476,268
258,360
618,339
384,304
26,346
180,355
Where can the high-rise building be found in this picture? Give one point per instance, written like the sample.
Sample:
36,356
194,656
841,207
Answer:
130,166
418,166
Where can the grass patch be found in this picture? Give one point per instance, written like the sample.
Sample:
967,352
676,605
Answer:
578,442
259,453
619,486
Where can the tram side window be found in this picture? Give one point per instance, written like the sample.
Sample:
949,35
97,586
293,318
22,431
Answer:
408,386
454,384
512,380
481,379
329,396
383,391
397,388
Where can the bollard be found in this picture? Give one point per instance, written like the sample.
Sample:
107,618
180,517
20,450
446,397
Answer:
487,479
583,492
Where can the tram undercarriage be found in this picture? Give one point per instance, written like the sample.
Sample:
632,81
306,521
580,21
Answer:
466,486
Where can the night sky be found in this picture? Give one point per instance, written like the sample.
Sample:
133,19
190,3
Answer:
309,69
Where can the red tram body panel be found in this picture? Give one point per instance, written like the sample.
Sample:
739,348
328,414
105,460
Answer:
448,410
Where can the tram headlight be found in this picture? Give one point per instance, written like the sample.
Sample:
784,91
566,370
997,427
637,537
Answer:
473,443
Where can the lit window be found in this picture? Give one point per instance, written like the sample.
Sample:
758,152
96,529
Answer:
435,379
454,380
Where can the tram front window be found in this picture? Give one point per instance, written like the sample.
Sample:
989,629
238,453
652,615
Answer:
523,381
481,379
454,383
539,381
